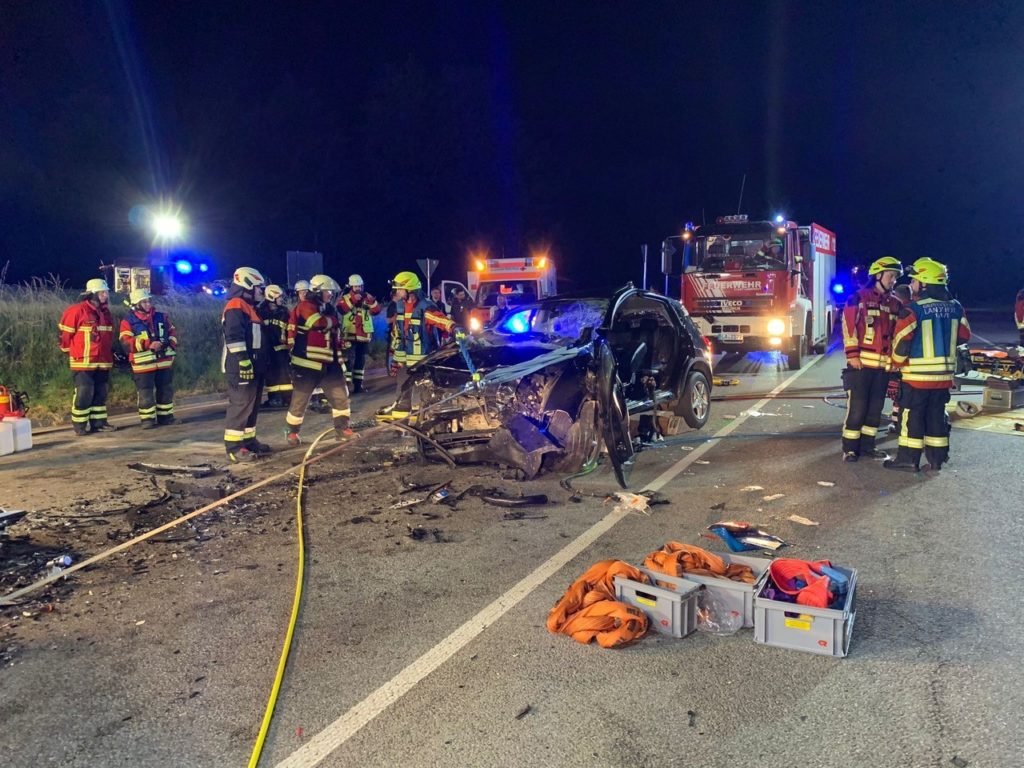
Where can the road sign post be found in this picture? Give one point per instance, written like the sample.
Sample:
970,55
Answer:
428,267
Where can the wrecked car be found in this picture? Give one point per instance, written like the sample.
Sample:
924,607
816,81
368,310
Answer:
556,381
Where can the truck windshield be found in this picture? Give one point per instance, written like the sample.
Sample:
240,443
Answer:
516,291
740,253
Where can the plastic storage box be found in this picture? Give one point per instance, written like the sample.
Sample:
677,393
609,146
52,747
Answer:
22,432
6,438
670,611
737,596
802,628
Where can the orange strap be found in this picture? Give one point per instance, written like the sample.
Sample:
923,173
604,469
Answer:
589,611
785,572
675,559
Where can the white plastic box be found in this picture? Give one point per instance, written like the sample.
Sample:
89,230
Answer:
669,611
737,596
22,432
825,631
6,438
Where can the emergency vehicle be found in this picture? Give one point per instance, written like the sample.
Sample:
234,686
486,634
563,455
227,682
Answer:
761,285
520,280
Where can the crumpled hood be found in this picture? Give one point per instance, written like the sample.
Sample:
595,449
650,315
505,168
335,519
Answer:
500,363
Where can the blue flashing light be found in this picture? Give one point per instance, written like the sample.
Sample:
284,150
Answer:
779,219
517,323
183,266
838,289
204,267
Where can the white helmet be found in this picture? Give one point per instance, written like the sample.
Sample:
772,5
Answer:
302,285
248,278
96,285
273,292
138,295
356,281
323,283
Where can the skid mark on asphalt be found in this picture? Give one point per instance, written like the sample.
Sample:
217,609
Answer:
346,726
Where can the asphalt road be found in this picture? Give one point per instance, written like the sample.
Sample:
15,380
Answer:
422,653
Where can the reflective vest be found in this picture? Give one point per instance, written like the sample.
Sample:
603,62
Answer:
138,334
243,334
410,337
869,318
314,336
927,334
275,324
356,324
87,337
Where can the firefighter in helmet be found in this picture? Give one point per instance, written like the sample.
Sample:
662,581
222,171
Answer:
245,365
868,320
301,289
317,358
357,310
411,338
87,338
274,315
928,330
149,338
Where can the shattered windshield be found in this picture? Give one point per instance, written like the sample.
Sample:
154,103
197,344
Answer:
557,319
740,253
518,292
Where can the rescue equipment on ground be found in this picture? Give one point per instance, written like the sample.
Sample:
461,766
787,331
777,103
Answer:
743,537
12,403
676,559
589,611
804,582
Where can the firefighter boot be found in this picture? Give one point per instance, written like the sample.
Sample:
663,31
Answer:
342,430
260,449
292,435
242,455
900,466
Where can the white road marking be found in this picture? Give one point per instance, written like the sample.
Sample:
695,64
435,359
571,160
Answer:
346,726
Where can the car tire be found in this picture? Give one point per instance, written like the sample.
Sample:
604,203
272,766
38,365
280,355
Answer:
796,353
695,400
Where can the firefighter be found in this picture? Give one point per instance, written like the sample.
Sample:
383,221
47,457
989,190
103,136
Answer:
902,294
87,337
1018,315
274,315
356,307
868,321
928,331
301,289
317,358
151,342
245,365
411,338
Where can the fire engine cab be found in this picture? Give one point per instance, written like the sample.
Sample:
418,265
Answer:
520,281
761,285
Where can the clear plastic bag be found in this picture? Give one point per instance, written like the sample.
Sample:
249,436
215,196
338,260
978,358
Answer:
715,617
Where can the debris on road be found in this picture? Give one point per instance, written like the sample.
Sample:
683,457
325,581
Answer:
499,500
718,507
748,488
406,503
741,537
826,483
773,497
701,461
632,502
802,520
524,712
198,470
693,718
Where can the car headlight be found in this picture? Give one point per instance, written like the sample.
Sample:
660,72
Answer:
776,327
475,324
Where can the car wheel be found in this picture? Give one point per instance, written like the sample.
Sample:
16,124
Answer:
695,401
796,353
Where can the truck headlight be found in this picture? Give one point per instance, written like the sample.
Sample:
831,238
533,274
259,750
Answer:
475,324
776,327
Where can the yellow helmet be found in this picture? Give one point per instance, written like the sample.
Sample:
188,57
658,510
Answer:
248,278
930,272
410,281
96,285
138,295
919,263
319,283
885,264
273,292
356,281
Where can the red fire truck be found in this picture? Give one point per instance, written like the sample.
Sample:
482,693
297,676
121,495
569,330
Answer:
761,285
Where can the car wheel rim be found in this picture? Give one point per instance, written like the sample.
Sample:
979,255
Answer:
699,399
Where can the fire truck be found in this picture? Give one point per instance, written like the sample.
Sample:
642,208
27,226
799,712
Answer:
519,280
761,285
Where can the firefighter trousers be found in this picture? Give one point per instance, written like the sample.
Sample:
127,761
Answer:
867,387
243,409
156,395
90,403
355,364
332,380
923,426
279,382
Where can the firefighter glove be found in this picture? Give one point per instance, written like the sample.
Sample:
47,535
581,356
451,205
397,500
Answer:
460,333
245,372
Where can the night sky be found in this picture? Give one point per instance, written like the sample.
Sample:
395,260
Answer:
379,133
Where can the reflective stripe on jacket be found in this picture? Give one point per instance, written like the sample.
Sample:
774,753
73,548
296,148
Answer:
314,336
410,340
869,318
139,331
356,324
243,334
275,325
87,336
927,334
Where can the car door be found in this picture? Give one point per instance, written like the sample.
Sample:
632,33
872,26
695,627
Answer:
447,288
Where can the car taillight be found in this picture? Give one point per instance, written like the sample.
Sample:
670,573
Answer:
707,341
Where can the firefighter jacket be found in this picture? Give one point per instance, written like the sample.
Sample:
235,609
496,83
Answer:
927,334
243,333
138,332
275,325
415,317
356,324
314,335
87,336
1018,311
869,318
